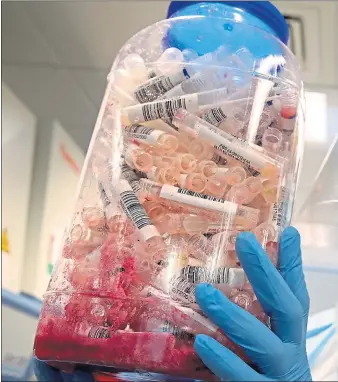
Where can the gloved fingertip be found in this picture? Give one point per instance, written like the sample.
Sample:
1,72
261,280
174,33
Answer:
291,232
246,236
202,341
247,243
203,291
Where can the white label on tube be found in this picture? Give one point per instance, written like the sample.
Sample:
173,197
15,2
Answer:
278,211
153,88
143,134
236,150
183,290
135,211
196,199
246,162
215,116
197,317
163,109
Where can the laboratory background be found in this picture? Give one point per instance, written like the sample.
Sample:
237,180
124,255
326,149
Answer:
55,61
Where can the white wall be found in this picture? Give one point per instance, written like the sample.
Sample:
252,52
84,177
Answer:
18,139
52,196
65,163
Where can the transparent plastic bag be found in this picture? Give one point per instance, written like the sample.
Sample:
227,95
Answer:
187,152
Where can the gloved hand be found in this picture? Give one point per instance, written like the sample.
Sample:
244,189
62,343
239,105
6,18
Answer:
277,355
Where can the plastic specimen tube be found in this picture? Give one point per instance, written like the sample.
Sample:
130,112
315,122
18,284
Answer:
166,108
146,135
137,158
222,142
157,86
181,195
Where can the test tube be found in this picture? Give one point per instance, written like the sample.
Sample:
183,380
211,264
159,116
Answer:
243,216
211,78
137,214
172,223
137,158
207,168
234,277
166,108
156,87
272,140
135,66
194,182
225,240
131,177
148,136
233,175
199,246
164,175
224,143
185,163
216,186
200,149
264,233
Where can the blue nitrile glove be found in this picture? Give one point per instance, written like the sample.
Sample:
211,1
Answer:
277,355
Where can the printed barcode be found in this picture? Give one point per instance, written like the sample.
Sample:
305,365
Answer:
129,174
99,332
138,129
195,274
135,185
215,116
163,109
156,87
227,151
198,195
278,213
220,276
133,209
182,288
176,331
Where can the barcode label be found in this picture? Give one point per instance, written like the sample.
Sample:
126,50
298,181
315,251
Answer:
163,109
220,276
134,210
196,199
176,331
183,290
278,209
143,134
232,154
99,332
215,116
195,274
131,177
153,89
